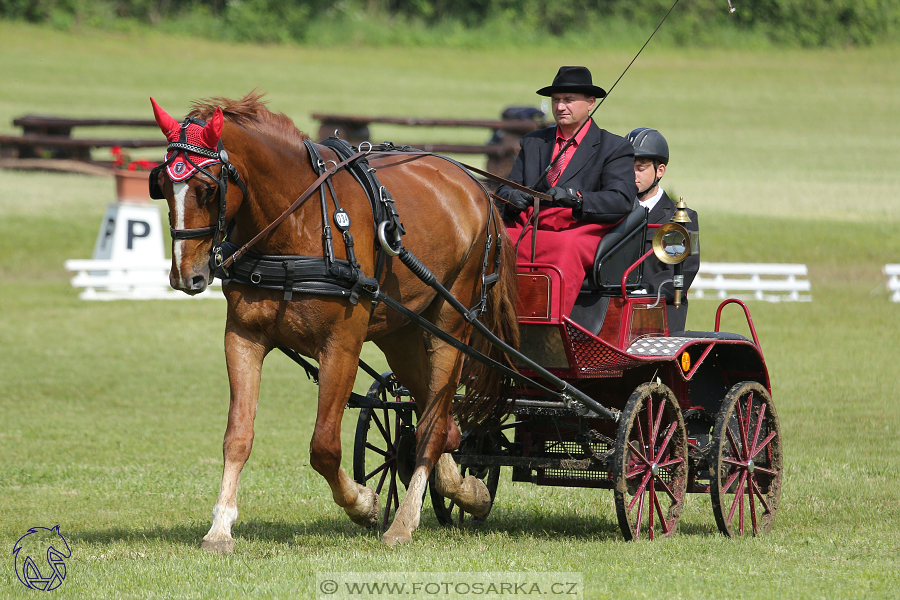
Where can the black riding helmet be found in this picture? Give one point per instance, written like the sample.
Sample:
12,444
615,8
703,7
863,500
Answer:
651,145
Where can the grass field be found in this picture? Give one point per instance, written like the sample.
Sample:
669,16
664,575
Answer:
113,413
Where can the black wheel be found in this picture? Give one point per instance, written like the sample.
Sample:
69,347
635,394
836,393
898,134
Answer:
650,464
447,512
384,451
746,461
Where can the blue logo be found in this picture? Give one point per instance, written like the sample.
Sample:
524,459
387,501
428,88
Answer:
41,557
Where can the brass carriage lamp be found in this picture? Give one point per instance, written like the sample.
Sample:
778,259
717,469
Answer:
673,243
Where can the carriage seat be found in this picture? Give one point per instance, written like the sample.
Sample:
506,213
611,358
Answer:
619,248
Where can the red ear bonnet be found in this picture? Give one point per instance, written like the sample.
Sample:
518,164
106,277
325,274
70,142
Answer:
212,132
168,125
181,164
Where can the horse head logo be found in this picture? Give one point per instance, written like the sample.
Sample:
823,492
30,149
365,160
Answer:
50,549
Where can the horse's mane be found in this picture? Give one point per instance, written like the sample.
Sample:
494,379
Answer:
251,112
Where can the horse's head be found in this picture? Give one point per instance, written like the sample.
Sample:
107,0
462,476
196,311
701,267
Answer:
194,182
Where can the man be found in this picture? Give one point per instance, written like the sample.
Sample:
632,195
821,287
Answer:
651,155
591,182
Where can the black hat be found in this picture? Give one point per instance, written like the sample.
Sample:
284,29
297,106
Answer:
573,79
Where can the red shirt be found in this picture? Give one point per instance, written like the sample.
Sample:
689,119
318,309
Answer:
563,162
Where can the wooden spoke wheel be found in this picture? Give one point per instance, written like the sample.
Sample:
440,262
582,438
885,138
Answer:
650,464
384,452
448,512
746,461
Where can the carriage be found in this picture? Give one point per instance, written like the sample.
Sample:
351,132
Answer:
605,395
693,409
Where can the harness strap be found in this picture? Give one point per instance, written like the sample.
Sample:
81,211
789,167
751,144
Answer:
289,280
293,207
343,150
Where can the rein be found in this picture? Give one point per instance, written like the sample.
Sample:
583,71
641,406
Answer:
306,195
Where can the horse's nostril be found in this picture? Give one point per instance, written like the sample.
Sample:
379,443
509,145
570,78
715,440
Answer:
198,282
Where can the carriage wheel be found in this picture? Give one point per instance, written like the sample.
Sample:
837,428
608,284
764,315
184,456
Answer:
447,512
746,461
385,448
650,464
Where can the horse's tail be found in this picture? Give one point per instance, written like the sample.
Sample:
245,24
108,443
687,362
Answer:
487,397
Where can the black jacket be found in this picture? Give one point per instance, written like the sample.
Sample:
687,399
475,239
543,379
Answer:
602,169
656,272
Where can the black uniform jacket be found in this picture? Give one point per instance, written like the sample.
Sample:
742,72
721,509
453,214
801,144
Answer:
656,272
602,169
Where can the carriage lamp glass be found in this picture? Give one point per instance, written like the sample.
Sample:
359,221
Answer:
685,361
671,243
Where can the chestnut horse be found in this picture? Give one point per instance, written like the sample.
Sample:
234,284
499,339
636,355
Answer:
448,219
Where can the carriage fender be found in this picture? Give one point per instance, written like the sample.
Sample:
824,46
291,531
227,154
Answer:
731,360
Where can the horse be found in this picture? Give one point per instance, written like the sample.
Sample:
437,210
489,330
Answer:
446,215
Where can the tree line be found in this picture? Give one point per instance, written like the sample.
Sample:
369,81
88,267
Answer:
782,22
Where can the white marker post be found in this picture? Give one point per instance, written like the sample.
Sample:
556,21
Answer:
129,260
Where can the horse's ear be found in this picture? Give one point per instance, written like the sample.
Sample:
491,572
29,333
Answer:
169,126
212,132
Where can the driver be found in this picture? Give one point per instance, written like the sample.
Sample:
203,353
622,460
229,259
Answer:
651,155
592,182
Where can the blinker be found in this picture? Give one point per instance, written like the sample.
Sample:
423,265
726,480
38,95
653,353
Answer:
155,191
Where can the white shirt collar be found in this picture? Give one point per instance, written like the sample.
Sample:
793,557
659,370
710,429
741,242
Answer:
649,203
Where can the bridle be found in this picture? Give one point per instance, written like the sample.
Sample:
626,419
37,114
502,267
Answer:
220,156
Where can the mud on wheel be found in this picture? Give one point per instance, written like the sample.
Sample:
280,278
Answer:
650,464
746,461
385,445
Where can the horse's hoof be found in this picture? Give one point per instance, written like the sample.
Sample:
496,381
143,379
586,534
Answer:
218,546
394,536
369,508
474,497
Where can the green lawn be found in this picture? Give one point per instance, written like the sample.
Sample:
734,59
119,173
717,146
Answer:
113,413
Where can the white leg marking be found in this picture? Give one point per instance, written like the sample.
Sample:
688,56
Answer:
407,518
223,518
416,489
181,190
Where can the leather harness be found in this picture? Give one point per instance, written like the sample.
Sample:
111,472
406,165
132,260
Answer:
328,276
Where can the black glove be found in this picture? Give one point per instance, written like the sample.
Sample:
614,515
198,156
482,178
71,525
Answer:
566,197
521,200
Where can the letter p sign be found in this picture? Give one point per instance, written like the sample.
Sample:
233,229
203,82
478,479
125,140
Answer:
137,229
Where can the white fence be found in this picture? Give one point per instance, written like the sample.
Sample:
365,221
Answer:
127,280
774,282
893,284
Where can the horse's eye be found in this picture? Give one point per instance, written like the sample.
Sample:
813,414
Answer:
209,194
